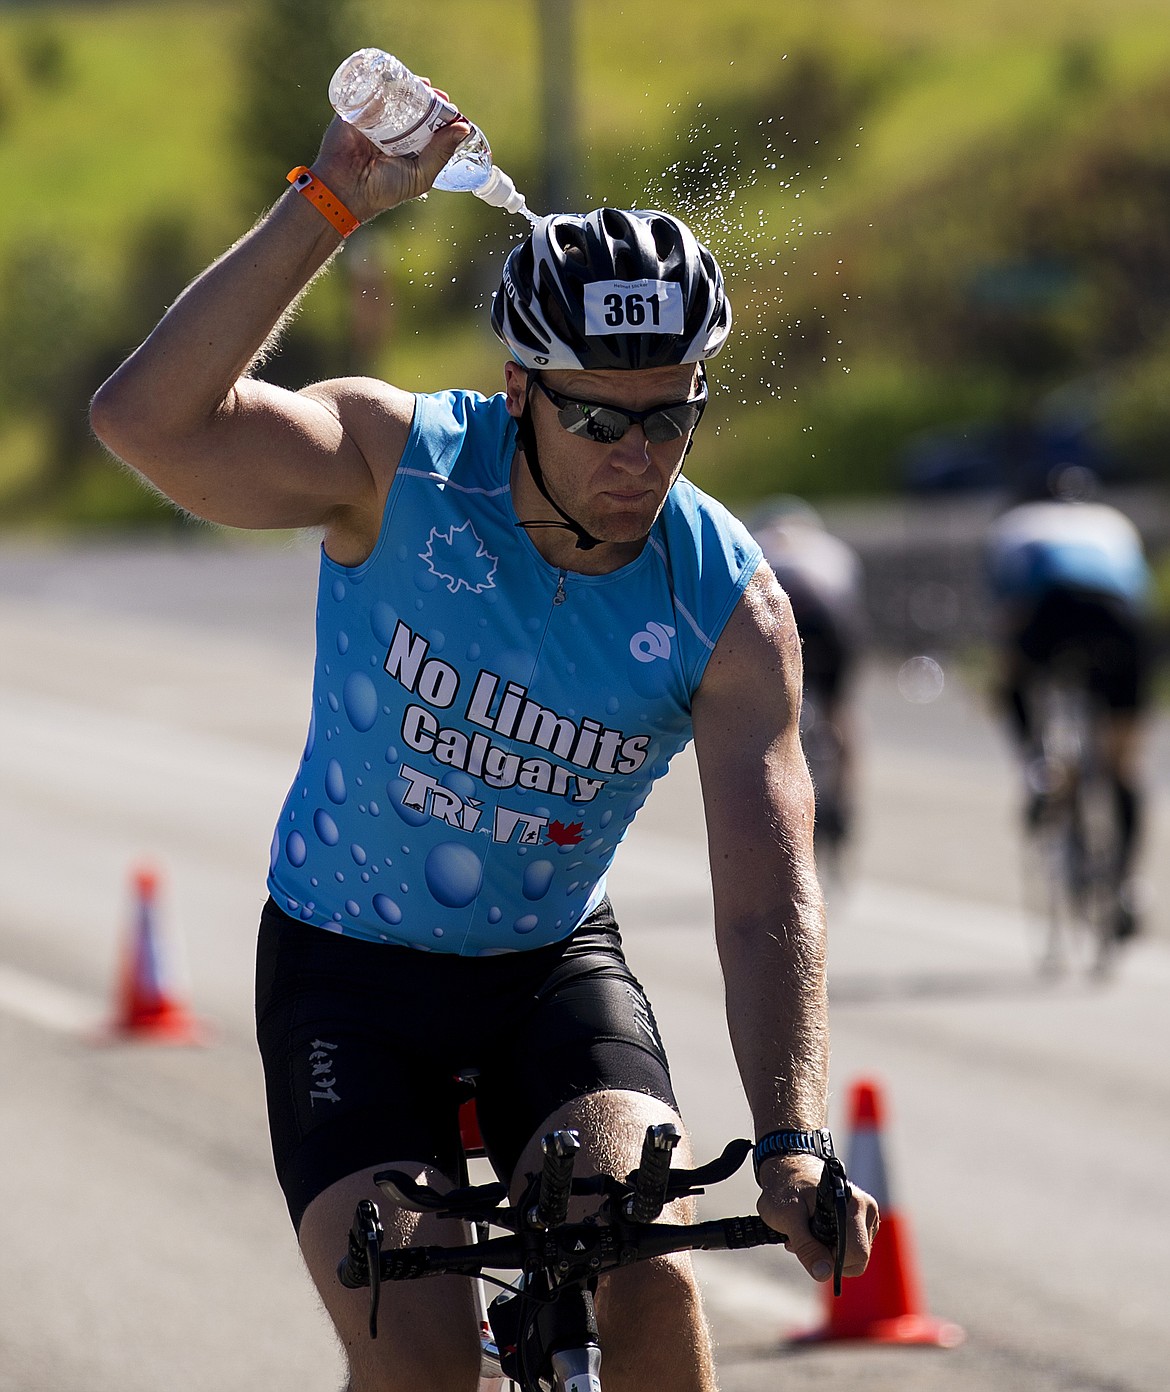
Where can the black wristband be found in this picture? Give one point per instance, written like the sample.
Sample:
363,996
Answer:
791,1142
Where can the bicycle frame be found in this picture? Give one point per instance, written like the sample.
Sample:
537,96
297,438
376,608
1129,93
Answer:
492,1377
1077,833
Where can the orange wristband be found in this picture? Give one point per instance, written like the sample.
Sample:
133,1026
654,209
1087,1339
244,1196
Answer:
327,204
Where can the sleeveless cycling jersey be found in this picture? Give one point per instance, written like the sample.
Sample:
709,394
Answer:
484,727
1080,546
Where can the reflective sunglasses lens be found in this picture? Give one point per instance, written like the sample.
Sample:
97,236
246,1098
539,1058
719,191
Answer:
606,424
670,423
597,423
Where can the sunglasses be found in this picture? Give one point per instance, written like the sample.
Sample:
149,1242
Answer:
605,424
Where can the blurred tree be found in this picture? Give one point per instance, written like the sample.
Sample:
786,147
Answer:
1044,260
559,105
1137,415
163,255
64,335
1080,69
44,56
288,52
794,124
50,314
1112,219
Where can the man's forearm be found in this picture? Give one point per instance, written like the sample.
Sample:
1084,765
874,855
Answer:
777,1013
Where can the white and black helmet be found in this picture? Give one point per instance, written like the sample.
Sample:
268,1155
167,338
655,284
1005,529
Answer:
611,289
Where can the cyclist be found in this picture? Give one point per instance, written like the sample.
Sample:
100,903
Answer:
523,612
1069,577
822,577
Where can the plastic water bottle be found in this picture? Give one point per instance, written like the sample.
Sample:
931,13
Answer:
399,113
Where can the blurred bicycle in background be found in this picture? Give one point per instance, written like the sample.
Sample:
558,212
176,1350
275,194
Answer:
1073,838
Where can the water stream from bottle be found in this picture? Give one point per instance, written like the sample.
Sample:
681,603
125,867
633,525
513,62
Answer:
715,184
526,212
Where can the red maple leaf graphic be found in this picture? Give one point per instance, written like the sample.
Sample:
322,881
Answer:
561,835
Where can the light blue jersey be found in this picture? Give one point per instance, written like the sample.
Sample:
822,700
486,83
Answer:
484,726
1089,547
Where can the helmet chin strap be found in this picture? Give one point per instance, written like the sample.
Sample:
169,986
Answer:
526,433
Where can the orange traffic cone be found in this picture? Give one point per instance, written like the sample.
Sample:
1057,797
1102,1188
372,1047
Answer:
884,1305
146,1008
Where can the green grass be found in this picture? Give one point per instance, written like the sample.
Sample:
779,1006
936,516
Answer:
136,123
140,119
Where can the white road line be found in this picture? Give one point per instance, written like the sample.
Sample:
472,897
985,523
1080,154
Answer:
932,915
95,756
46,1004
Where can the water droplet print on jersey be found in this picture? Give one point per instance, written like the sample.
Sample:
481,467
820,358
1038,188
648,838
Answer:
476,750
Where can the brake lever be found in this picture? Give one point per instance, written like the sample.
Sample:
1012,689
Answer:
365,1249
469,1202
829,1223
685,1183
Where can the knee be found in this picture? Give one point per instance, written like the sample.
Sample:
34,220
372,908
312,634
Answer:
433,1347
656,1295
406,1366
653,1333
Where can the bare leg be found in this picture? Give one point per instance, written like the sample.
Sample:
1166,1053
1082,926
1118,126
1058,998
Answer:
1123,751
1123,746
427,1336
650,1316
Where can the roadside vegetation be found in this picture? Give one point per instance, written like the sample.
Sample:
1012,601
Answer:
932,217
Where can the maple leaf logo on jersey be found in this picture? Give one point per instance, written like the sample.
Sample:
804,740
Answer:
459,557
561,835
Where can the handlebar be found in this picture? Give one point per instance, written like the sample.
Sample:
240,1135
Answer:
649,1181
573,1251
556,1179
540,1242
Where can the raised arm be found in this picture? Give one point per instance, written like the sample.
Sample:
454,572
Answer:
769,911
185,413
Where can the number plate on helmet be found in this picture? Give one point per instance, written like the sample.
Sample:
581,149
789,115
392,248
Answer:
633,307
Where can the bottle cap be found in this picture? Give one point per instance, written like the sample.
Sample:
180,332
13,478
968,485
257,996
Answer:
499,191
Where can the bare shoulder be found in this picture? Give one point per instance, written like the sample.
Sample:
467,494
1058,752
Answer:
373,415
745,715
374,420
746,711
759,648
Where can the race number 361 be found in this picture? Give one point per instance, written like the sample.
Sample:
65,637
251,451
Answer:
633,306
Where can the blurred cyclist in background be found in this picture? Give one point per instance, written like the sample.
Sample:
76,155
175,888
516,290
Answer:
822,577
1069,577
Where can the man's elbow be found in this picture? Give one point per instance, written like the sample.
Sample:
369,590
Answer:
129,423
112,417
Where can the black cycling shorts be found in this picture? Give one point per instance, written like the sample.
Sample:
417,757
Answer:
362,1042
1103,637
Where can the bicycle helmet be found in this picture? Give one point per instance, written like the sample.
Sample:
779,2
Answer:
611,289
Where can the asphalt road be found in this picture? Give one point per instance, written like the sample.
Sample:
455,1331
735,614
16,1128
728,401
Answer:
153,704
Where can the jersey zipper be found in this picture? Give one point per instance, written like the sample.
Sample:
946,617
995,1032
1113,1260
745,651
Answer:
560,596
